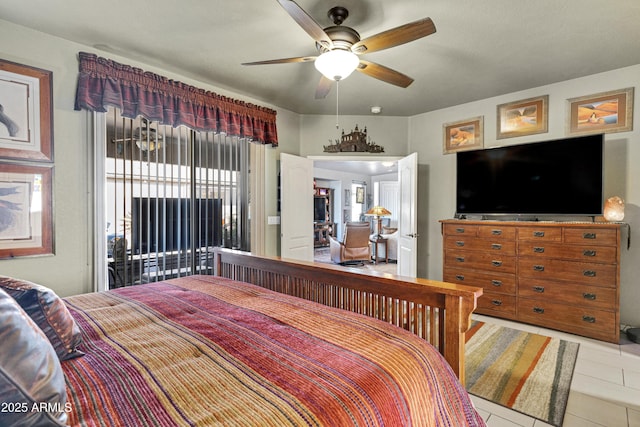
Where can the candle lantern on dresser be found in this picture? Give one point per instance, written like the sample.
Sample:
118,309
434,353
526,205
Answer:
560,275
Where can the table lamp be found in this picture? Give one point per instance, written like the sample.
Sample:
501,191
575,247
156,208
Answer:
378,211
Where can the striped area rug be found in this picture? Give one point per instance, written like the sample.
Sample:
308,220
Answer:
525,372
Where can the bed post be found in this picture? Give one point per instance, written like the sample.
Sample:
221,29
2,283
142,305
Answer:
457,322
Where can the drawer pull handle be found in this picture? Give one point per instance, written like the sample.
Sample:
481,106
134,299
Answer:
459,230
589,253
459,243
496,302
496,232
538,289
589,319
495,282
538,268
496,246
538,249
538,310
460,258
460,277
538,234
591,297
589,273
496,263
590,236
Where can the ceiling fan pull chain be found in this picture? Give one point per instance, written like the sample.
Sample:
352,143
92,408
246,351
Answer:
337,104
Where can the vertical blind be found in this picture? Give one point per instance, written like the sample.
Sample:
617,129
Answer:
172,195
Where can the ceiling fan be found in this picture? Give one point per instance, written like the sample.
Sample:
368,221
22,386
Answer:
339,47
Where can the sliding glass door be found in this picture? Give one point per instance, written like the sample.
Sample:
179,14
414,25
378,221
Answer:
172,194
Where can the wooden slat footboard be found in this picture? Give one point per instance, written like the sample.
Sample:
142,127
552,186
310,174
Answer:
438,312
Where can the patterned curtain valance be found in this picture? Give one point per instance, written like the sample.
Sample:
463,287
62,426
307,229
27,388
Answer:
103,82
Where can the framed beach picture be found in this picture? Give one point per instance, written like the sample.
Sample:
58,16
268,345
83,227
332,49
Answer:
605,112
26,215
524,117
463,135
26,118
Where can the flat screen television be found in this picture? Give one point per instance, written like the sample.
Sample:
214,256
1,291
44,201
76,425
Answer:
559,177
165,224
319,209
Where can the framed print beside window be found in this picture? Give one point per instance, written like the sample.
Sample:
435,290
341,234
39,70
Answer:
605,112
26,118
26,215
463,135
360,195
524,117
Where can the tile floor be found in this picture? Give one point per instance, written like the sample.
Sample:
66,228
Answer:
605,389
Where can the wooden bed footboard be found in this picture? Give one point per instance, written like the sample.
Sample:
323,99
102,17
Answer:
438,312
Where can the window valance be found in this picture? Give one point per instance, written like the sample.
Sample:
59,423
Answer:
103,82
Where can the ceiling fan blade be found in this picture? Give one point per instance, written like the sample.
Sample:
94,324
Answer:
383,73
395,36
324,86
307,23
282,61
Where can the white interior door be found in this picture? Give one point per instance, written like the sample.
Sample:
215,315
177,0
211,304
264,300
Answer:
296,215
408,218
388,197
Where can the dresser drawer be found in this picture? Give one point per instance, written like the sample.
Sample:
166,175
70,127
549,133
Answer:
579,272
476,244
570,293
480,260
460,230
491,282
491,302
497,232
564,276
600,254
580,320
540,234
591,236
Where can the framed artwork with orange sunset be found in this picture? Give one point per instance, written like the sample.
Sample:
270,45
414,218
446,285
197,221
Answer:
463,135
605,112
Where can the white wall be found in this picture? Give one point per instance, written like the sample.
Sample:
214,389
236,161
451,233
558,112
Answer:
388,132
622,170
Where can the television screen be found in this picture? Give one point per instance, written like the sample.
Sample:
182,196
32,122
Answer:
561,177
165,224
320,209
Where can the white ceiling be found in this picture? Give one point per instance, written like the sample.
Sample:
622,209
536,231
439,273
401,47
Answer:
482,48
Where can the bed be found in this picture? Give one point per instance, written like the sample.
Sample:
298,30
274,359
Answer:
220,350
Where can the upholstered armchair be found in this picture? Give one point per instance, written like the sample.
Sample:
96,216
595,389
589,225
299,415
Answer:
355,246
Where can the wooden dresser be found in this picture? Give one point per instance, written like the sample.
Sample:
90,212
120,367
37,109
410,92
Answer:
560,275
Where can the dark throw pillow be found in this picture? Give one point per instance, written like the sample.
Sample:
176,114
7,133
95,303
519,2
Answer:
49,312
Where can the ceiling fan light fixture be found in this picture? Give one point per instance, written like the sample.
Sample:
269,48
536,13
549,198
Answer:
337,64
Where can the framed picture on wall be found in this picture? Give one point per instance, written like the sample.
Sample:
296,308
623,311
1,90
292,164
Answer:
26,118
360,195
463,135
524,117
26,217
605,112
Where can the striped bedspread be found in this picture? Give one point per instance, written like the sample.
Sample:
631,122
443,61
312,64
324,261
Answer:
205,350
